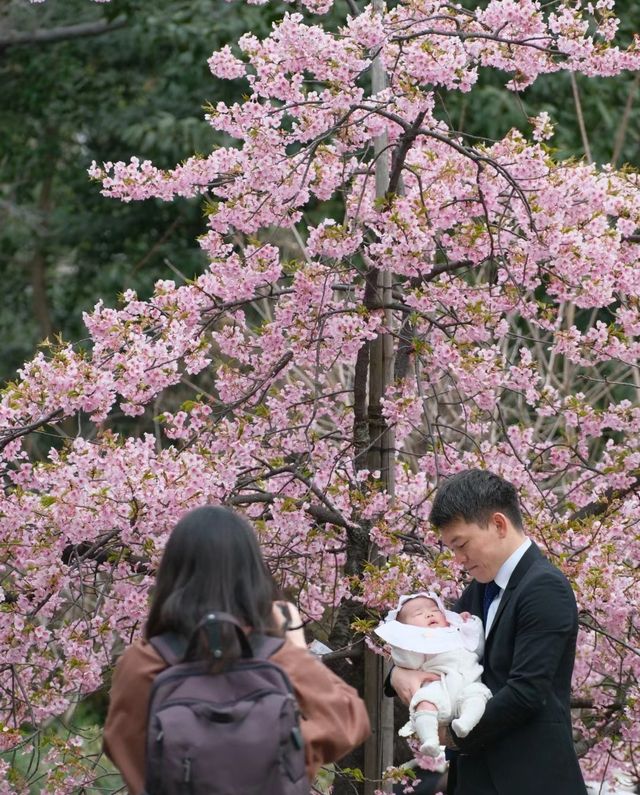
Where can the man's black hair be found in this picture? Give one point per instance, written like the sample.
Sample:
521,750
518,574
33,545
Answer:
473,495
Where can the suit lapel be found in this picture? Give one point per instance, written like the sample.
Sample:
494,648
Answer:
528,559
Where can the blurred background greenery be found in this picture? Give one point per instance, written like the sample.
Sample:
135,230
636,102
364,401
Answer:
136,89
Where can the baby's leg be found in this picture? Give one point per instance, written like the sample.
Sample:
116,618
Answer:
471,708
425,724
424,718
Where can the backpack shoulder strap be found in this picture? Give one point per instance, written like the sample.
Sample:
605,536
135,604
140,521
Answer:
265,646
170,646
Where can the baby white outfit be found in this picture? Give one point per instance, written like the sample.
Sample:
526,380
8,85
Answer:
454,653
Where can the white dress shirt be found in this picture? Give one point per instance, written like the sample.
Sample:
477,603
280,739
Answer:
502,580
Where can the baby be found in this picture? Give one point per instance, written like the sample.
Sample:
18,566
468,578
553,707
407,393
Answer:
424,636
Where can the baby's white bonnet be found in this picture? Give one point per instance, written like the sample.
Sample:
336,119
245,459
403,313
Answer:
453,618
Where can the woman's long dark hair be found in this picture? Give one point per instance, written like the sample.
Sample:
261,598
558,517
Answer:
212,562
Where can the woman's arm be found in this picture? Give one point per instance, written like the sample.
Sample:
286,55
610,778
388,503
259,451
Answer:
334,717
125,729
287,617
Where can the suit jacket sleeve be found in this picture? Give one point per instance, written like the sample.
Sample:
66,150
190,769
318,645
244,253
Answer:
546,621
387,687
464,603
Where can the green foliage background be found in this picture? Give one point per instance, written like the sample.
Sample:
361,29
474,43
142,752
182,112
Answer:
136,90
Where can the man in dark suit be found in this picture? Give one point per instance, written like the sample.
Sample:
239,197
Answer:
523,744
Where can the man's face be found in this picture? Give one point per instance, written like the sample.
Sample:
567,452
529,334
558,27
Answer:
422,612
480,550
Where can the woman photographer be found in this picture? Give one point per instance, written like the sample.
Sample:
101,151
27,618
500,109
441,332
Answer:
213,562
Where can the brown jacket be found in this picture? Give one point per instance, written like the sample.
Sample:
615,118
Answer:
334,719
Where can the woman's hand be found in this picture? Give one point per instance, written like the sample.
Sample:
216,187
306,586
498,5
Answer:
406,682
286,614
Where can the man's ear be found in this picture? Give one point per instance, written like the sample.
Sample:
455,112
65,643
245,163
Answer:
501,522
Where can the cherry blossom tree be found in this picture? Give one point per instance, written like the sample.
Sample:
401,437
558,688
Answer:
387,302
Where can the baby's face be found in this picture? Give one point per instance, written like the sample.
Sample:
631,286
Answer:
422,612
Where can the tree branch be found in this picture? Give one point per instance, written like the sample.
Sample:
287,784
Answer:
401,151
64,33
9,435
320,513
349,652
603,503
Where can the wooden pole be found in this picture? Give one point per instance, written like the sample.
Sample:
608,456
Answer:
378,752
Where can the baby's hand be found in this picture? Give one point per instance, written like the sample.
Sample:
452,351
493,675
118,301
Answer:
465,616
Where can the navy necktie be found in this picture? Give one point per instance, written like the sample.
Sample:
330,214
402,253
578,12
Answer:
491,590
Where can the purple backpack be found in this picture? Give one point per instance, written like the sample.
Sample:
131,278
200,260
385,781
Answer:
235,732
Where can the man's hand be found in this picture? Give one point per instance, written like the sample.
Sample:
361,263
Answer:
406,681
465,616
